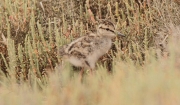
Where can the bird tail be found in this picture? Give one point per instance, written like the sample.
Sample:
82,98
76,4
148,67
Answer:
61,51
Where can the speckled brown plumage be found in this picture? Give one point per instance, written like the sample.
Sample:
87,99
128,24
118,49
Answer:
86,50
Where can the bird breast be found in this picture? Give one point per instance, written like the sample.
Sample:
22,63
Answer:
103,46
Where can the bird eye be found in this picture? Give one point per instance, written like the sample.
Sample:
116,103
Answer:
107,29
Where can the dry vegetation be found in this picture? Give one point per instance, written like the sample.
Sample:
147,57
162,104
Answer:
145,64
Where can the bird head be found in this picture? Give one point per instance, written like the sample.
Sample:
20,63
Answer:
107,28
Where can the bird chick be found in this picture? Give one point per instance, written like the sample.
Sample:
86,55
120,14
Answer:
86,50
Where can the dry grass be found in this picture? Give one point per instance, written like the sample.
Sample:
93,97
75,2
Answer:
144,64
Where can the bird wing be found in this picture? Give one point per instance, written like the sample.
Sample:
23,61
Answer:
81,47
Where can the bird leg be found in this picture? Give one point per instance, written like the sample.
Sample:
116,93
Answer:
81,74
91,71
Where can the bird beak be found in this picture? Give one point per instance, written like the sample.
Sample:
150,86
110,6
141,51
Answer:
120,34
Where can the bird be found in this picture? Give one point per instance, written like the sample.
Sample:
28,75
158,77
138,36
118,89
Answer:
85,51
